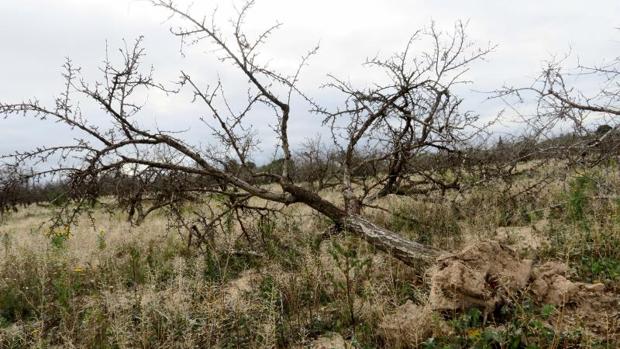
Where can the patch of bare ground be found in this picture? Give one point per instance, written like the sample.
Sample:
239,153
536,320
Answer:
245,283
522,238
330,341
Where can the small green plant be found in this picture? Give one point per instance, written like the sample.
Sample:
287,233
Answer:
136,273
547,310
354,270
6,243
577,198
59,236
101,242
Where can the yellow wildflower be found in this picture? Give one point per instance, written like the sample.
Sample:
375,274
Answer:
473,333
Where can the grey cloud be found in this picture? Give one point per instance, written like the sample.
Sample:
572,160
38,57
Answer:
36,35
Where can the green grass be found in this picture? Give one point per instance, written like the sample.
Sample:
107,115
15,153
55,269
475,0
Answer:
158,293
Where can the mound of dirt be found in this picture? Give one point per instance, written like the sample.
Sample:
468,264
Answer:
550,284
587,306
524,238
485,273
481,276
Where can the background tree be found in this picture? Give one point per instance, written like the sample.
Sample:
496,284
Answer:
415,111
592,116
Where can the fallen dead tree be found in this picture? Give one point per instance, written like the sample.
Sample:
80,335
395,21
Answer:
414,110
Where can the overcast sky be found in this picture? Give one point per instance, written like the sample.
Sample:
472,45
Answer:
37,35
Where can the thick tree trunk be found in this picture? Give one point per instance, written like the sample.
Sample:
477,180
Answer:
391,185
409,252
352,205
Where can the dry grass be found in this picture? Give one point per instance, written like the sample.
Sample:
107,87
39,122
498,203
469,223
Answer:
112,285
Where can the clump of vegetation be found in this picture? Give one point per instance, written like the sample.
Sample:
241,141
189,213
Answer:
586,231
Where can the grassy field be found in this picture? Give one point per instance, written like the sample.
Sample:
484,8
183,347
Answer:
106,284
